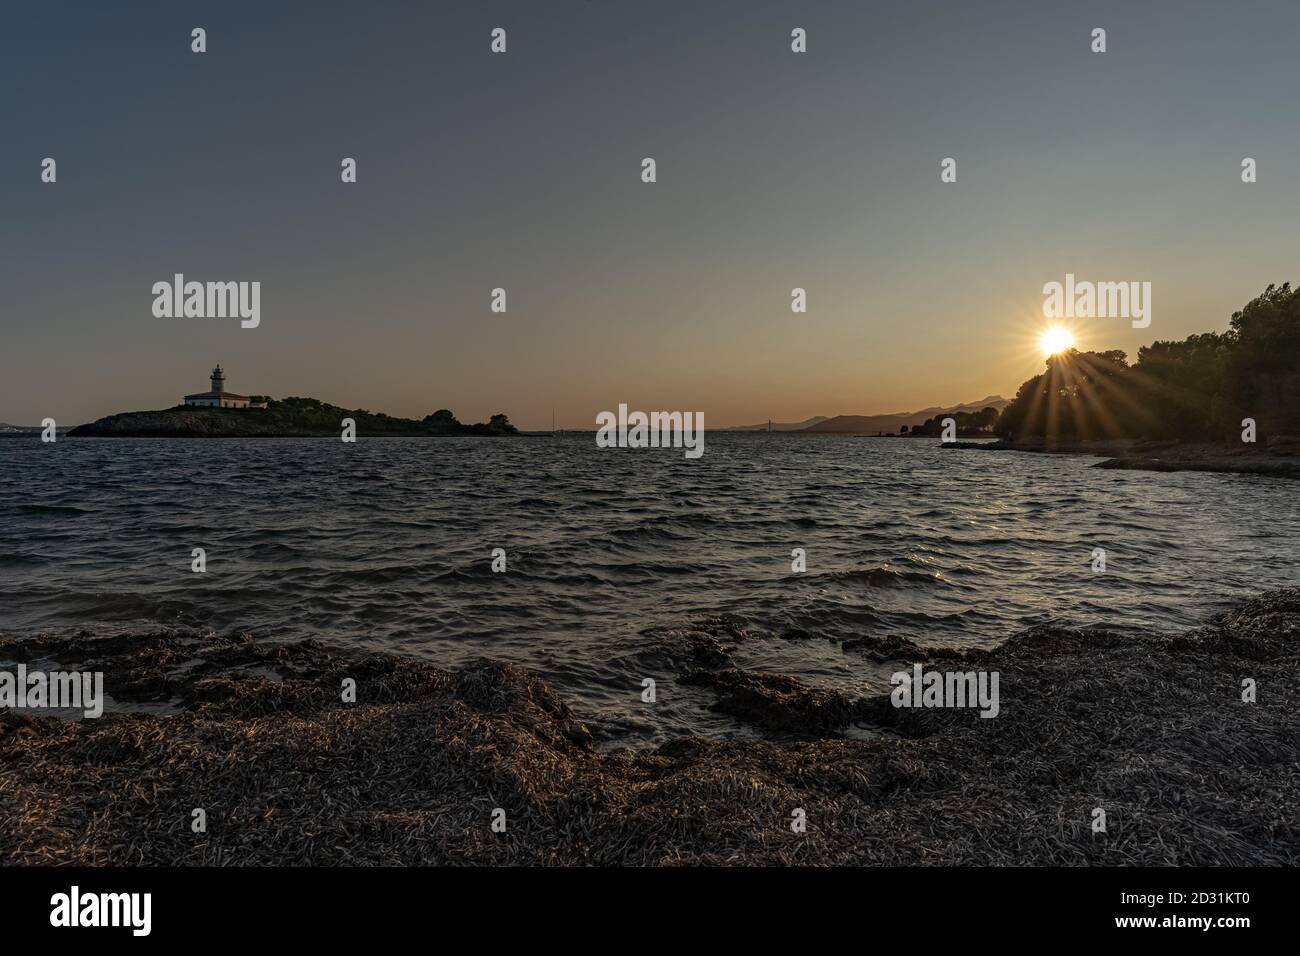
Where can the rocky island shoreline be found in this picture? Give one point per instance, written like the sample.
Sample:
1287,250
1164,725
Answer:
1279,459
1151,728
283,418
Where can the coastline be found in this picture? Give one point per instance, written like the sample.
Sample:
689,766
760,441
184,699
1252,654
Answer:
1282,460
1150,727
287,418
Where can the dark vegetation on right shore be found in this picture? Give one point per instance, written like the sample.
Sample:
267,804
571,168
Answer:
1196,390
283,418
1151,728
1182,407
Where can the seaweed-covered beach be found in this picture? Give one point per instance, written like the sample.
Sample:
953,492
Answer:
1150,728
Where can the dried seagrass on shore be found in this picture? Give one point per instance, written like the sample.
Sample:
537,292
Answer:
1151,728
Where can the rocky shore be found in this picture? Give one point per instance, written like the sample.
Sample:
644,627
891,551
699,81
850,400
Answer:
1280,458
284,418
1151,728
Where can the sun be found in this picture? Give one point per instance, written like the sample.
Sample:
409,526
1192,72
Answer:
1055,340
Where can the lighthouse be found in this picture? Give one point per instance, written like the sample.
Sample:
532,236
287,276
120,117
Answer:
218,397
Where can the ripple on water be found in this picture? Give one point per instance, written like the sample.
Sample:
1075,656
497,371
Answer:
612,553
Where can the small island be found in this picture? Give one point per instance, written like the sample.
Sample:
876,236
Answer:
218,413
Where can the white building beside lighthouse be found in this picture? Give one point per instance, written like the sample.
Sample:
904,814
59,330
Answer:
218,397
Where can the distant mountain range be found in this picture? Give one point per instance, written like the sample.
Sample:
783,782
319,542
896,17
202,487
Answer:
874,424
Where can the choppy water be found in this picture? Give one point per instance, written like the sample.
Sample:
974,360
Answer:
386,545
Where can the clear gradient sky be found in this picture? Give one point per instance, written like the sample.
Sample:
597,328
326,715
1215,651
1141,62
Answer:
522,170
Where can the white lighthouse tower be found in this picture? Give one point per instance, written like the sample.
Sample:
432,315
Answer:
218,397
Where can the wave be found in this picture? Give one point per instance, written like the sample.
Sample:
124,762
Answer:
884,576
34,508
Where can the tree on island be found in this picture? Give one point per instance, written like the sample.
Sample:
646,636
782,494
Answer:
499,424
443,422
969,424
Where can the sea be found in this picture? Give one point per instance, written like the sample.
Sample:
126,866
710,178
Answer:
618,561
